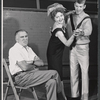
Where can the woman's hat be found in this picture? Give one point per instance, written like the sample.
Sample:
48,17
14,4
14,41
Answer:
54,7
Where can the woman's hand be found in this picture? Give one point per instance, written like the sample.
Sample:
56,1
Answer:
70,12
78,32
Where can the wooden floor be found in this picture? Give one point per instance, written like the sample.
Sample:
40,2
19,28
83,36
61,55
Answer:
27,95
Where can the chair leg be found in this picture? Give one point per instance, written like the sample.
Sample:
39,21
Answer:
34,94
19,92
6,92
15,93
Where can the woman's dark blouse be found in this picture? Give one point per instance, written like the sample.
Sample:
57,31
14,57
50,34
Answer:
55,52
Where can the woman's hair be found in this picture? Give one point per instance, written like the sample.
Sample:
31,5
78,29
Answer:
54,8
54,12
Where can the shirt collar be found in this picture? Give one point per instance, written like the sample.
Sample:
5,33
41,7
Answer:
20,46
80,15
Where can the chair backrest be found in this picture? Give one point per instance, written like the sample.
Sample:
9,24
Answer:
8,72
10,79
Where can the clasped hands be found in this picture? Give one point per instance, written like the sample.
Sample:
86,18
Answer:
78,32
37,62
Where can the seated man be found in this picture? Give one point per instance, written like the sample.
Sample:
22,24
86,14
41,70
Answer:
23,62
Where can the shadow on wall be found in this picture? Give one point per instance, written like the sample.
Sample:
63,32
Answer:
94,41
93,50
34,48
10,26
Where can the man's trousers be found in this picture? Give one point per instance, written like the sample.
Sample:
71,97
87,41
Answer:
79,55
36,77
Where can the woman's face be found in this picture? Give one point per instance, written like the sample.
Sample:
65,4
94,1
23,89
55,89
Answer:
59,18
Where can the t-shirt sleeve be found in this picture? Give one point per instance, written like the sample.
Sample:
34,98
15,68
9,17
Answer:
15,55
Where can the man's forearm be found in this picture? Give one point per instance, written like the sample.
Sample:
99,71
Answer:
30,67
26,65
38,63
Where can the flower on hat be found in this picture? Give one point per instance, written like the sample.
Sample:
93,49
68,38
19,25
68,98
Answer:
54,7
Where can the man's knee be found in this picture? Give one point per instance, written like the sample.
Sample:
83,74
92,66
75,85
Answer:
54,72
51,82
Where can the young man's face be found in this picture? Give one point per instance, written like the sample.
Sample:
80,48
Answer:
79,8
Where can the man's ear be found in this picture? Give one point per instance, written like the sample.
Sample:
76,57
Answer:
84,6
74,4
16,38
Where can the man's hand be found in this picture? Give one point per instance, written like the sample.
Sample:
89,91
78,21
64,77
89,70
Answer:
78,32
38,63
25,65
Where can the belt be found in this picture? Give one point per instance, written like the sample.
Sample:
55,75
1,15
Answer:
18,73
82,44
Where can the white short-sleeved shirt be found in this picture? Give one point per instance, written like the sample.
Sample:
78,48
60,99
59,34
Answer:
19,53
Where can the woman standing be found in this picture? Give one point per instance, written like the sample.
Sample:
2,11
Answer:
58,39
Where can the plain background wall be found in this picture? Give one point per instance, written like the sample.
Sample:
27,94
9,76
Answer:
38,25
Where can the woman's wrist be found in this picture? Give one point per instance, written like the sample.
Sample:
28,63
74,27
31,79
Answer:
73,36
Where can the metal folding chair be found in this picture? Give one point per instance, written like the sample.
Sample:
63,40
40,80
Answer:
14,86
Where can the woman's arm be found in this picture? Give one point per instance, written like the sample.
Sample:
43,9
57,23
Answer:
62,38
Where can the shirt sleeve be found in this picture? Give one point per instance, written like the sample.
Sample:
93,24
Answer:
15,55
34,55
87,27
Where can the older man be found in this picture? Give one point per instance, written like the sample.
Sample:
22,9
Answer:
23,62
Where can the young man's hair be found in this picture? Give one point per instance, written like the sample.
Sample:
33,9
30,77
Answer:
81,1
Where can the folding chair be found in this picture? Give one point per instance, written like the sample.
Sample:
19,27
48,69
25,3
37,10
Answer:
12,84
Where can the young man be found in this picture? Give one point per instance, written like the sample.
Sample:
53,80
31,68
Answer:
23,62
79,52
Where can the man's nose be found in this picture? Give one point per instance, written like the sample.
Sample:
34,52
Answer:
78,8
